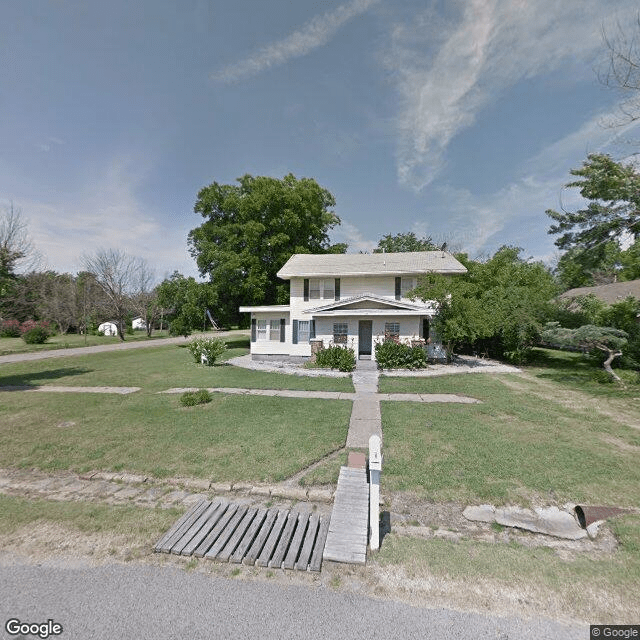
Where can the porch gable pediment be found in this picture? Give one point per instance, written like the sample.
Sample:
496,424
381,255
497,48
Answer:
366,301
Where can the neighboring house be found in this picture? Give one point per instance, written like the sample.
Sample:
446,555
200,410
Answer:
139,323
348,299
609,293
108,329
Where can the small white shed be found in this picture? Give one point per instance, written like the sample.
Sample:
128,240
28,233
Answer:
139,323
108,329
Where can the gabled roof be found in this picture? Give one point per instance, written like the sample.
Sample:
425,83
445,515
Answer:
365,264
375,302
609,293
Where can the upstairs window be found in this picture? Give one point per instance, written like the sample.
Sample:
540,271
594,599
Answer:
315,286
320,288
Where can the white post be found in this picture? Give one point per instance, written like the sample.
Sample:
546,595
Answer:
375,468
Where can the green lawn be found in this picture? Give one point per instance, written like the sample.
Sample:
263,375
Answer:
529,438
231,438
72,340
157,369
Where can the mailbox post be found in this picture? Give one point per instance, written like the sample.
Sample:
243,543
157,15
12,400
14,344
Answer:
375,468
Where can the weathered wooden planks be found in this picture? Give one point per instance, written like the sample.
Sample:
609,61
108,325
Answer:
230,532
175,533
347,536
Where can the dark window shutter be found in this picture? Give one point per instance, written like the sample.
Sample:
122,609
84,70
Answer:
337,289
294,329
398,288
312,329
306,289
253,329
282,329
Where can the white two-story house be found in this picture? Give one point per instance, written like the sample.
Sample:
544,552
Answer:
348,299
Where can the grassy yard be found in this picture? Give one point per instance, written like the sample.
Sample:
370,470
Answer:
157,369
525,441
231,438
551,435
72,340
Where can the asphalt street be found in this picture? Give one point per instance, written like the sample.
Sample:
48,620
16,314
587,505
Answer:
141,602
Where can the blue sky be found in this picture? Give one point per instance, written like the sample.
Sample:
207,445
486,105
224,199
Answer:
455,119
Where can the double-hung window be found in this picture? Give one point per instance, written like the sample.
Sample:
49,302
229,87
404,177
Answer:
315,288
320,288
261,329
274,330
303,331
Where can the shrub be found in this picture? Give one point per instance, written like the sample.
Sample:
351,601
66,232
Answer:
396,355
193,398
9,329
178,327
341,358
210,348
35,335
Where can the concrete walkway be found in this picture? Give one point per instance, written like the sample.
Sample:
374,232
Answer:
366,419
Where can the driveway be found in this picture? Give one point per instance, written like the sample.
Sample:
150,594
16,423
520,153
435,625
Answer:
121,346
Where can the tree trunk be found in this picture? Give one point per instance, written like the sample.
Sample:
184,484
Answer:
607,364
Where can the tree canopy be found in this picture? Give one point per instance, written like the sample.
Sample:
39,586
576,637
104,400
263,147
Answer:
498,306
251,229
404,242
593,236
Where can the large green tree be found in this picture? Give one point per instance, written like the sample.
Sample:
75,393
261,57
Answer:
593,236
185,301
403,242
251,229
498,306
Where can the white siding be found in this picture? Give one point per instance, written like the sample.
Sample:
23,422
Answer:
272,347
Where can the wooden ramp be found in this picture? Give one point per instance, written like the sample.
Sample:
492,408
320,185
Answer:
347,537
230,532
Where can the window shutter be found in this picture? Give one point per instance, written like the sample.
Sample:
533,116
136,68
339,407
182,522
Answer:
306,289
253,329
312,329
398,288
282,329
294,329
337,289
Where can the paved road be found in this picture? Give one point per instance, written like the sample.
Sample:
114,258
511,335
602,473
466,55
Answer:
157,603
119,346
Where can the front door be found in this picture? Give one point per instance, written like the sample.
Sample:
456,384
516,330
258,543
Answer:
365,334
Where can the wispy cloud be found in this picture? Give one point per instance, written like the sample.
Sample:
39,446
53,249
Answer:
493,44
106,212
515,214
315,33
